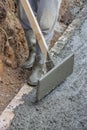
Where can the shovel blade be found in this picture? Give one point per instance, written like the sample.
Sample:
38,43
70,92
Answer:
54,77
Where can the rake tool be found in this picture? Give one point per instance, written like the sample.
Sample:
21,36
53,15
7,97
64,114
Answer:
59,72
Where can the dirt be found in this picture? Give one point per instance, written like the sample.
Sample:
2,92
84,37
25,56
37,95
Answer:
13,45
13,52
68,11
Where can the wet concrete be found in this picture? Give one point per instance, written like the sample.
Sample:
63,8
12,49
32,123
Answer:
66,107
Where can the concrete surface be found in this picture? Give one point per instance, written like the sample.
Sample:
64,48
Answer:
7,115
66,107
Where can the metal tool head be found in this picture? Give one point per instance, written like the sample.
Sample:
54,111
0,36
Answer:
54,77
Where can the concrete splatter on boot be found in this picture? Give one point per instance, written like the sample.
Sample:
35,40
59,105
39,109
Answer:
31,40
37,72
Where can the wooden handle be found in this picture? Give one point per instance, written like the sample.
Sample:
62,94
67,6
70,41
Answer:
35,26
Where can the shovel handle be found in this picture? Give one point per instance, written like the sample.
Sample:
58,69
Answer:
35,26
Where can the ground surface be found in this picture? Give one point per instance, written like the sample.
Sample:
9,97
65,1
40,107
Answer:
66,107
14,53
13,50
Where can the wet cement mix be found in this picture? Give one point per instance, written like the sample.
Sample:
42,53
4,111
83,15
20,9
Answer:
13,45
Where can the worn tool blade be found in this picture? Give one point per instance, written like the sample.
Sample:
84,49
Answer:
54,77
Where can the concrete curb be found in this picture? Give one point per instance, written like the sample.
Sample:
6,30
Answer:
8,114
63,40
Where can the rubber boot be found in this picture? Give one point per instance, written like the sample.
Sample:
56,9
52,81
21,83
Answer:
37,72
31,40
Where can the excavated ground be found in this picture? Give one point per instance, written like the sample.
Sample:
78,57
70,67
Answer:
13,46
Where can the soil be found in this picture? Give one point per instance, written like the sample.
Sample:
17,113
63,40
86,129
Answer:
13,52
13,45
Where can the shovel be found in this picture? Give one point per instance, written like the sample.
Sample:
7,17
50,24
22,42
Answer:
59,72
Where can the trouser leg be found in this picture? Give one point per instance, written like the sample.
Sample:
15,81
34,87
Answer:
47,16
30,37
22,15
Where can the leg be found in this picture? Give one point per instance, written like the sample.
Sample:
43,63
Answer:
30,37
47,16
32,59
22,15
